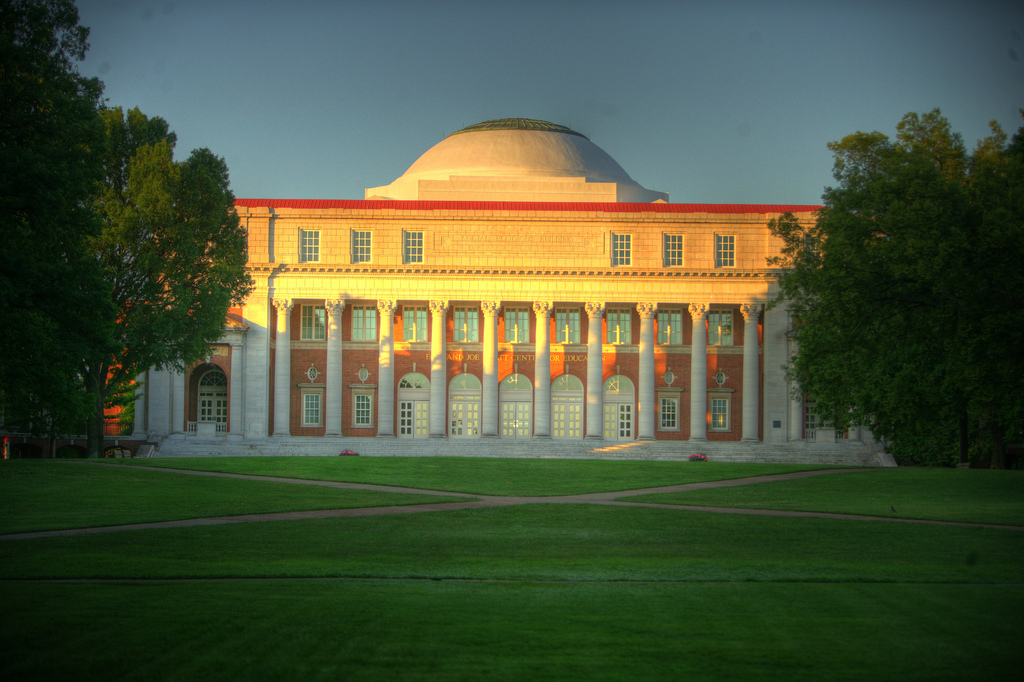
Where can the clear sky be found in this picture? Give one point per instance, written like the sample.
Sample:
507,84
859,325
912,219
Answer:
712,102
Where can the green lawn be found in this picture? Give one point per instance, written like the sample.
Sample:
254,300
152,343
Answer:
975,495
537,591
47,495
483,475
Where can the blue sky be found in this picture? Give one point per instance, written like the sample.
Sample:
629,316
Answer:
725,102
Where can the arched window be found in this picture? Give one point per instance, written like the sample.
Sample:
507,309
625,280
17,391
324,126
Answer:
414,406
567,407
213,397
516,396
619,406
464,393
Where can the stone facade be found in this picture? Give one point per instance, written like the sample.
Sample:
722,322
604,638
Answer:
544,323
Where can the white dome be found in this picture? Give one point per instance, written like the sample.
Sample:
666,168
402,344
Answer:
516,159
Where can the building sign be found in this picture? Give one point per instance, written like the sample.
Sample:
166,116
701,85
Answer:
497,241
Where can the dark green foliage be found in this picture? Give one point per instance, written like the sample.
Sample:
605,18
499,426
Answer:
172,252
53,308
906,294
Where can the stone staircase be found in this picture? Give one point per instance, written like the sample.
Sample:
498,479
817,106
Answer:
850,453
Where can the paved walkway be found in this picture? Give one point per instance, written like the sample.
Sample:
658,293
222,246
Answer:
613,498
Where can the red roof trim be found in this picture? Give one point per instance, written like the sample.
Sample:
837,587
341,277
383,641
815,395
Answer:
365,205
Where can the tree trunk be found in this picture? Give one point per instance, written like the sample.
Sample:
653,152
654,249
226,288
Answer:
95,380
963,440
998,447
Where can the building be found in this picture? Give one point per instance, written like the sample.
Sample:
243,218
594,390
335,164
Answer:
515,285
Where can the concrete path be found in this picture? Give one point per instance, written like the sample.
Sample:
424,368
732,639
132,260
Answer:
613,498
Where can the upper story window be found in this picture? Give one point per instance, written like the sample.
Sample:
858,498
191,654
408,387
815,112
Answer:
414,323
467,325
725,251
567,325
618,326
720,328
309,246
622,249
364,323
673,250
313,327
362,246
412,247
517,325
670,326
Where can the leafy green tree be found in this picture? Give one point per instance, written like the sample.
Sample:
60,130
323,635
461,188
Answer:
53,307
905,293
172,251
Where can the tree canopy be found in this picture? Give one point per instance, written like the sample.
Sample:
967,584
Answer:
53,308
906,292
171,250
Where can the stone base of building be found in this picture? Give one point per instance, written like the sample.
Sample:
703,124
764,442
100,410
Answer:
853,453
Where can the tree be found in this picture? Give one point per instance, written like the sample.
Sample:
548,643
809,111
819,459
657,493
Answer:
172,252
906,292
53,308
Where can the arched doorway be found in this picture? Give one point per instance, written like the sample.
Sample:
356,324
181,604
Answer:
464,393
213,399
414,406
619,408
516,396
567,407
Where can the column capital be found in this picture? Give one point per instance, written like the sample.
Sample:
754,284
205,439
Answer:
594,309
698,311
490,308
646,310
543,308
438,307
335,306
283,305
386,307
751,311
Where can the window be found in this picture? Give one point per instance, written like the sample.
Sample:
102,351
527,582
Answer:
309,246
517,325
725,251
364,323
622,249
670,326
412,247
314,326
720,328
362,243
719,414
362,407
618,326
414,323
673,250
567,325
669,411
467,325
311,409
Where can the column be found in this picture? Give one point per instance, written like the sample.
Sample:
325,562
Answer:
647,408
438,369
141,390
333,391
542,370
699,372
178,402
283,368
489,399
751,370
386,371
595,372
235,391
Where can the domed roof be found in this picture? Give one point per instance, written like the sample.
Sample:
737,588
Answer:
516,151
